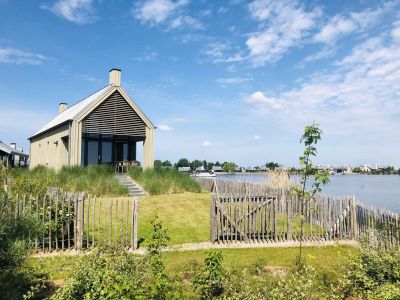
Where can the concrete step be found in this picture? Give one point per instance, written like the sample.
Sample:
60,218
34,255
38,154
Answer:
133,189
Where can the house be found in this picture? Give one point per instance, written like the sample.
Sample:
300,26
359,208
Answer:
251,169
365,168
103,128
217,169
184,169
11,156
200,169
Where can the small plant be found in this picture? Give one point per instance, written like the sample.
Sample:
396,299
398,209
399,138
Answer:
208,282
311,136
160,286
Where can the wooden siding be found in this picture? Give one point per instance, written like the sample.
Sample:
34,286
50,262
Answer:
114,116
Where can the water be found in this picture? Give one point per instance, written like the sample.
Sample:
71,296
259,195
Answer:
382,191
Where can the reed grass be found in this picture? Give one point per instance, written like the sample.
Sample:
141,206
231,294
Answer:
96,180
279,179
159,181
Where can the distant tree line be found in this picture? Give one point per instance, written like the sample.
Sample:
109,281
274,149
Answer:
228,167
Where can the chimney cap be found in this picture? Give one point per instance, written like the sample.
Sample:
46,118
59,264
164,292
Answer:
65,103
115,69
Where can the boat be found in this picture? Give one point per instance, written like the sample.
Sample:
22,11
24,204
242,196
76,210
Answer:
203,174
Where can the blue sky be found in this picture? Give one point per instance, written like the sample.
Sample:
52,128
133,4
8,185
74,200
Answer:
223,80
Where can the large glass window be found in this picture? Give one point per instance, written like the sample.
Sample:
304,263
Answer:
106,152
93,153
125,152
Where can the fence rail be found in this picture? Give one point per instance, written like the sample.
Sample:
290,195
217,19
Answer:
78,220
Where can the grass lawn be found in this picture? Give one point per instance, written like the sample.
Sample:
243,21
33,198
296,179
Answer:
186,216
329,260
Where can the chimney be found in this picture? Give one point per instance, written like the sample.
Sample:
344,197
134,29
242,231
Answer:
115,77
13,145
62,107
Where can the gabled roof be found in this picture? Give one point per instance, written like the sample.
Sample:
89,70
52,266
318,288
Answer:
75,110
10,150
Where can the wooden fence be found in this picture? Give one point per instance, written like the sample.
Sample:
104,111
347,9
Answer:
78,220
274,216
223,186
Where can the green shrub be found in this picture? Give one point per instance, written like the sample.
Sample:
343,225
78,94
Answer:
158,181
374,272
107,273
209,280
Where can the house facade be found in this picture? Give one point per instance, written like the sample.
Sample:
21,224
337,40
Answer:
10,156
103,128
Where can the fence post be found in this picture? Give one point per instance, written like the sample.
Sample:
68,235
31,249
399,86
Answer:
135,214
353,218
79,221
213,219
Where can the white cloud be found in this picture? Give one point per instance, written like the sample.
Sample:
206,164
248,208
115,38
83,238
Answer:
287,23
360,94
164,127
155,12
185,21
149,55
259,98
179,120
207,144
232,81
19,57
396,30
77,11
256,137
342,24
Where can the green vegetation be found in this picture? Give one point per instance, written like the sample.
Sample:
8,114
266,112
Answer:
97,180
187,216
312,134
158,181
15,277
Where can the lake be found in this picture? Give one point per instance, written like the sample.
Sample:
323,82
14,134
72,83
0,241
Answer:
382,191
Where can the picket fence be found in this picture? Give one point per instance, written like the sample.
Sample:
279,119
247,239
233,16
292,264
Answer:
78,220
248,212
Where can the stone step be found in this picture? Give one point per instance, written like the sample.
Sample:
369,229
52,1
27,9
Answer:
133,188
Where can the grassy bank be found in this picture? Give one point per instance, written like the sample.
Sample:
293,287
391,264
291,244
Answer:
159,181
97,180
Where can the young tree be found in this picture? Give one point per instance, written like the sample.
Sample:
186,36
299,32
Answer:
272,165
157,163
311,136
166,163
195,164
183,162
229,167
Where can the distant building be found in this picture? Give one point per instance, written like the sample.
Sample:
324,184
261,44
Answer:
184,169
200,169
348,170
366,168
251,169
263,169
217,169
11,156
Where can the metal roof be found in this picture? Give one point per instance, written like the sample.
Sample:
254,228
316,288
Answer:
75,110
10,150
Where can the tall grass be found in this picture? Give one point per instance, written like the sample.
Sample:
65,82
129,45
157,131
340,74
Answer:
97,180
279,179
159,181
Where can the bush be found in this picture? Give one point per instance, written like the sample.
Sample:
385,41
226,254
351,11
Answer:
210,278
158,181
106,273
15,277
375,272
